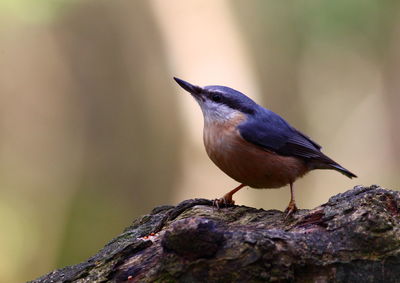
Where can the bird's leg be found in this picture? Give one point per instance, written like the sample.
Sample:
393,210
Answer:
292,204
227,198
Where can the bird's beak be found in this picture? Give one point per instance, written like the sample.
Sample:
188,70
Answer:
193,89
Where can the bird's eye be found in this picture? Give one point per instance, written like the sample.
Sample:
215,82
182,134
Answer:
216,97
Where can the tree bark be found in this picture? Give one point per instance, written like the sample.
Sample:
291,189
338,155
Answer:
355,236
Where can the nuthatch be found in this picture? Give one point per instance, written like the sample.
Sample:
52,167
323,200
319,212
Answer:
253,145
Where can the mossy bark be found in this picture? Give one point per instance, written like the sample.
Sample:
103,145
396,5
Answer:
355,236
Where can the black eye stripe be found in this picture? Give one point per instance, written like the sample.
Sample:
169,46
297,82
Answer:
228,101
216,97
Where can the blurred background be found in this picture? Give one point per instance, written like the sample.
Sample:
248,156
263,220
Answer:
94,132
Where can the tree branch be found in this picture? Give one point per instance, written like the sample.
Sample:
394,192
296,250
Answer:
354,236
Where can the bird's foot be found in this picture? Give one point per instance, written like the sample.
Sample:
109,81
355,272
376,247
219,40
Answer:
292,208
225,201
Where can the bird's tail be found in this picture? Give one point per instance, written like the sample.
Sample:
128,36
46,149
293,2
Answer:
324,162
342,170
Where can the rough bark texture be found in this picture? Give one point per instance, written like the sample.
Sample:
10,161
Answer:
355,236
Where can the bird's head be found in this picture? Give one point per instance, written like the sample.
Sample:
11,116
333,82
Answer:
219,103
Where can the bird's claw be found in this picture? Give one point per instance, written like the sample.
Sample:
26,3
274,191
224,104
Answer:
292,208
223,202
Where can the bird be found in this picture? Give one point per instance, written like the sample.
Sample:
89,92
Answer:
253,145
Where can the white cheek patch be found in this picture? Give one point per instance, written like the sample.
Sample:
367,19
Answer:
218,113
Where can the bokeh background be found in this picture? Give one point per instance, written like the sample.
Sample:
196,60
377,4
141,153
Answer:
94,131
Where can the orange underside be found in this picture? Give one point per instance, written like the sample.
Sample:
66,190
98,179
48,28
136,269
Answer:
247,163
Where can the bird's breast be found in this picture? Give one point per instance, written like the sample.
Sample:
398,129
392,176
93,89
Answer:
245,162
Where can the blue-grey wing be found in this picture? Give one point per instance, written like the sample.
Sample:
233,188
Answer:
272,132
